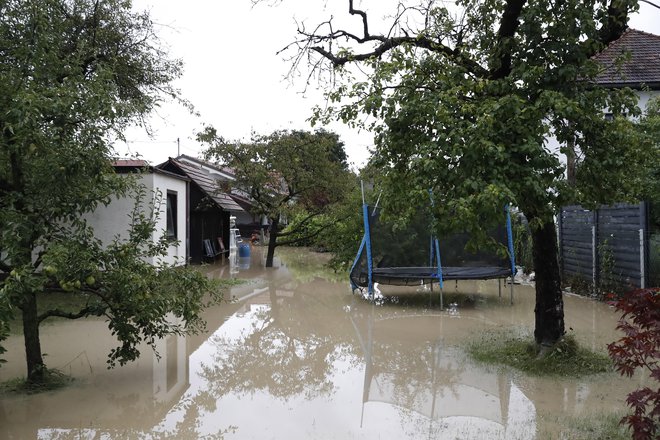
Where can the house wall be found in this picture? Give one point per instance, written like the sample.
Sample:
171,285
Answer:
245,218
644,97
553,145
176,252
113,220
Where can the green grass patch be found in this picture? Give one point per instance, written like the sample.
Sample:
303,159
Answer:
229,282
566,358
53,380
587,427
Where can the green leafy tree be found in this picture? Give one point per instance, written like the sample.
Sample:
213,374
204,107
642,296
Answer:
344,237
650,132
284,173
462,99
74,73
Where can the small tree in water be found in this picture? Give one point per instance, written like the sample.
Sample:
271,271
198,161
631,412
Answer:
286,172
74,74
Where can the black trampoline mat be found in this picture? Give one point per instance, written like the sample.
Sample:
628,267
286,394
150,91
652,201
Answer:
417,275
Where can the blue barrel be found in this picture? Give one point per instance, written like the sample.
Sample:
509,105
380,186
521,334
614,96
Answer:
243,250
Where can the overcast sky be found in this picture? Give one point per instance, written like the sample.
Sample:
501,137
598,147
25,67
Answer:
235,79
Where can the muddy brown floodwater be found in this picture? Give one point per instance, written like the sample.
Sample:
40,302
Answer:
297,356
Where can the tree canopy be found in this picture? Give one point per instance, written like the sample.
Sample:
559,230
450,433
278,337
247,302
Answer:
463,100
74,74
285,173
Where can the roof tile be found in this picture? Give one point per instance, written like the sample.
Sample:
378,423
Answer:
209,185
641,68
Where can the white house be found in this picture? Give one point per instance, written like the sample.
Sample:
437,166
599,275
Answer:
640,69
167,191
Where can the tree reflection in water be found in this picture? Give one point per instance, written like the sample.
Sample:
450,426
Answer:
299,357
430,381
289,350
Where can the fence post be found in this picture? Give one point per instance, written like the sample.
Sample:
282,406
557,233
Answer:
642,269
645,243
594,251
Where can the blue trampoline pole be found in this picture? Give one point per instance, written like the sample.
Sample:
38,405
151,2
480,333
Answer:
436,245
440,281
355,262
367,237
367,240
512,257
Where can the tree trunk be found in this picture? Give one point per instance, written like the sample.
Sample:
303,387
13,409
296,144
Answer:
35,361
272,241
549,310
570,163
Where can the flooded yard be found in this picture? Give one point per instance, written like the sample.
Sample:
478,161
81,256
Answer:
296,355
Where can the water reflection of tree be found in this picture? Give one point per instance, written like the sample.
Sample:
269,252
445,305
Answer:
409,366
289,350
305,266
412,369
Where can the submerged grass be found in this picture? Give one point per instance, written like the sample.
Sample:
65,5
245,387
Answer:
53,380
566,358
588,427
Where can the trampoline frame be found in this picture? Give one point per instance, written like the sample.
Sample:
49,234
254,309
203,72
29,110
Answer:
408,276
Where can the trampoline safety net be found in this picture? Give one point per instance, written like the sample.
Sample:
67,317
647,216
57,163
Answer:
411,255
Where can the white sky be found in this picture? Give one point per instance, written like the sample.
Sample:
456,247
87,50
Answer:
235,79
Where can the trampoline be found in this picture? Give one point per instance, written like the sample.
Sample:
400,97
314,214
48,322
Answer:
409,255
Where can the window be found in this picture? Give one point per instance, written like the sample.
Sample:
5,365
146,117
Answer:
610,116
171,215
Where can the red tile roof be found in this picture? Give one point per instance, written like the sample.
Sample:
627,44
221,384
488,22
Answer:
130,163
640,69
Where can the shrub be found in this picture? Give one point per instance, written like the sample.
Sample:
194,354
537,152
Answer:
640,348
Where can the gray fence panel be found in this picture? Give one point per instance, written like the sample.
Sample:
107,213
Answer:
619,256
575,232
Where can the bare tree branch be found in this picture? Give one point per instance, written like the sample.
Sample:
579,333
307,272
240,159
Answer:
305,237
322,43
86,311
320,40
650,3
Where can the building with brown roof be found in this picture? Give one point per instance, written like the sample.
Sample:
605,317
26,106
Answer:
640,66
208,211
632,61
246,221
